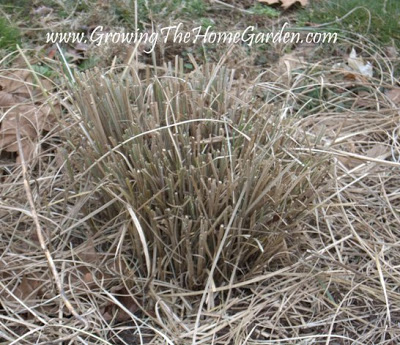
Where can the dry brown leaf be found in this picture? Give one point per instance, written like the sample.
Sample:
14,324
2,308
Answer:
292,61
270,2
285,3
32,120
42,10
8,99
88,278
394,95
391,52
88,253
355,71
21,98
29,118
377,151
89,258
28,149
17,82
8,142
83,47
366,100
73,55
22,83
357,64
113,311
26,289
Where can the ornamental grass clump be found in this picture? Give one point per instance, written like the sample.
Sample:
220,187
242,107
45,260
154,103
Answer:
208,181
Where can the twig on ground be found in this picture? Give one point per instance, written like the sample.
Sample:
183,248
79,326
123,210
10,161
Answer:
33,214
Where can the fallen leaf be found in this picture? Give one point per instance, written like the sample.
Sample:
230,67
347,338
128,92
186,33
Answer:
289,63
26,290
355,71
391,52
81,46
22,111
21,83
365,100
88,278
28,150
87,252
42,10
394,95
8,99
73,55
377,151
357,64
292,61
270,2
113,311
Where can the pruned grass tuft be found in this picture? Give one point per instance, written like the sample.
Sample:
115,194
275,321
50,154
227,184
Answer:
201,168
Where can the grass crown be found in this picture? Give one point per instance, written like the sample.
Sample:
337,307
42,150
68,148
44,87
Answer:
207,176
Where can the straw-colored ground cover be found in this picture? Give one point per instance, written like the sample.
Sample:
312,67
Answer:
204,205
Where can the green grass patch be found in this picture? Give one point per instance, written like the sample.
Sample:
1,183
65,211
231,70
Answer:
265,10
16,6
378,20
9,35
148,10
